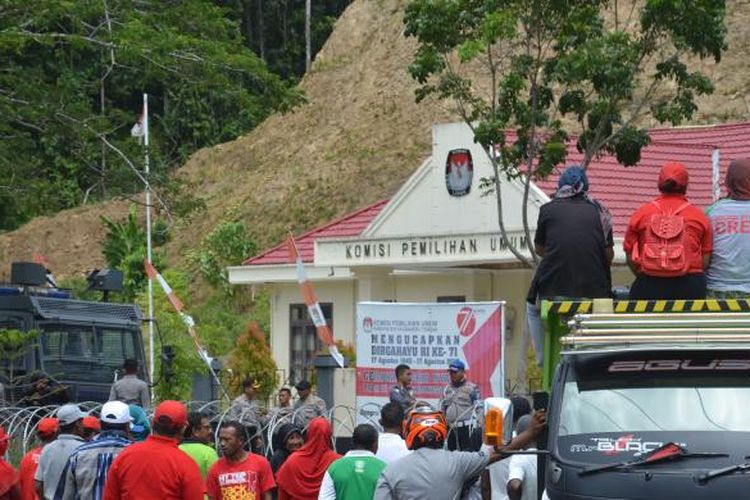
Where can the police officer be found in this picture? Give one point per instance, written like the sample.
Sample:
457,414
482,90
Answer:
402,393
459,399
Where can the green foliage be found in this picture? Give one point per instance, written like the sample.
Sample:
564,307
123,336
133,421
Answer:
14,344
73,77
552,59
125,249
252,358
227,245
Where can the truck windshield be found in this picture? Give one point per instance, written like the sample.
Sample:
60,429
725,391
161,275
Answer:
634,402
83,353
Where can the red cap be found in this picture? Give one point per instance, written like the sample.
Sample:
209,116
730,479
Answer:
171,411
47,427
92,423
673,171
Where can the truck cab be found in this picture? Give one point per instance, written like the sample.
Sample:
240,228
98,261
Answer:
79,344
625,384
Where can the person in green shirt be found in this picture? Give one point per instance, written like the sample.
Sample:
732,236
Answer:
197,441
355,475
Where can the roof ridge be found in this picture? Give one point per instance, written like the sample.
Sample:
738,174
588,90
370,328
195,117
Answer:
319,228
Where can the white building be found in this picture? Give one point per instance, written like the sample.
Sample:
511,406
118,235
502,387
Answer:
426,244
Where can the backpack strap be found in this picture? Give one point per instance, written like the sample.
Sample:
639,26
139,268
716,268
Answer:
675,212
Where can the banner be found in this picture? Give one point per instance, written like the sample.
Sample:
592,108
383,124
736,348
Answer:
427,337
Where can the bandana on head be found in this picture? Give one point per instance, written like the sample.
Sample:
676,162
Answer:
574,182
738,179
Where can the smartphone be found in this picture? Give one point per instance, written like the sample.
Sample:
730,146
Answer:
540,400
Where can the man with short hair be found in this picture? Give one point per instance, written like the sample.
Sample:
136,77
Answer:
130,389
308,406
156,468
402,393
285,405
457,404
728,274
391,446
46,431
355,475
197,441
55,455
87,468
433,472
238,474
522,474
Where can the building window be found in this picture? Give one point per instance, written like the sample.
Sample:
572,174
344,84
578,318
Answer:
304,344
451,298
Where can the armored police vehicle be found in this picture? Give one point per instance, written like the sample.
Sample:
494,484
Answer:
76,345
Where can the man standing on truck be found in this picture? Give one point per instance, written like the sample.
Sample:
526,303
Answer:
457,404
728,275
668,242
130,389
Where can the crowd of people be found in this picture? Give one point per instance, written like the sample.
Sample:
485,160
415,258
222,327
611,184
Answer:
115,456
675,249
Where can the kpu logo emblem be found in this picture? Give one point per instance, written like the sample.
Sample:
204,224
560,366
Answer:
459,172
367,324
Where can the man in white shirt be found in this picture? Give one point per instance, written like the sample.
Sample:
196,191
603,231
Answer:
391,446
522,469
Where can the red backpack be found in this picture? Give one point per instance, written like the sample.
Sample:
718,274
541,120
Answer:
664,250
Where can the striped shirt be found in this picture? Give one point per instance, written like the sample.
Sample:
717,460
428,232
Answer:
87,468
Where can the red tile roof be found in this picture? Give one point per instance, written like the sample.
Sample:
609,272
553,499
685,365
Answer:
349,225
620,189
624,189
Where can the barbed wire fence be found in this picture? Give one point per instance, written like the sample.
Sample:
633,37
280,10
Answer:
21,422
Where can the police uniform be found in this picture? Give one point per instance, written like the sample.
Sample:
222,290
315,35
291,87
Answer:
458,404
402,396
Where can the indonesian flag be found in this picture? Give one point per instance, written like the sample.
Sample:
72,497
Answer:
139,129
311,301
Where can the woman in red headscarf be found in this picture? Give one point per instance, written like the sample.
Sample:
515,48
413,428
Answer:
9,489
302,473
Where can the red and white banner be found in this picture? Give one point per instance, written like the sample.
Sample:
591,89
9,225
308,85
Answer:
311,301
427,337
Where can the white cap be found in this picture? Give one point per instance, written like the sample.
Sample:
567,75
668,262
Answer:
115,412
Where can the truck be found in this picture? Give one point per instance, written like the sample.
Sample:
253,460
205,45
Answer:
647,400
78,345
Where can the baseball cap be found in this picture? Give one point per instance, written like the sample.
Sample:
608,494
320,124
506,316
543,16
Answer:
302,385
115,412
92,423
68,414
673,171
47,427
171,412
457,365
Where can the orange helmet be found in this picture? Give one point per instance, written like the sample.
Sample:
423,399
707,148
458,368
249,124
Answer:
423,426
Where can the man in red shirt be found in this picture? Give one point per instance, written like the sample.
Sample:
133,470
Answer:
155,468
46,431
238,474
668,242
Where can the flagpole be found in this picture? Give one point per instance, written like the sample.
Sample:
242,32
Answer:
148,244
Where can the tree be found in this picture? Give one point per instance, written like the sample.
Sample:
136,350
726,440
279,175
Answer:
73,75
125,249
556,67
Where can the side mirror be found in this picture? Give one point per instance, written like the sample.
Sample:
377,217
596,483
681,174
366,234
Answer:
498,421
